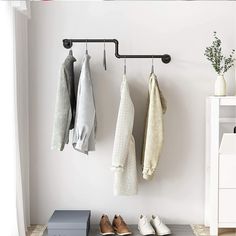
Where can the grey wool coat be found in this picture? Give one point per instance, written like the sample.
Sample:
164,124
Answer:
65,105
85,121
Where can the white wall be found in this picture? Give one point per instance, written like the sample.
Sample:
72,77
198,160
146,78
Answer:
21,32
70,180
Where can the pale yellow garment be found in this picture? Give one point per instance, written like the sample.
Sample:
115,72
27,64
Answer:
153,138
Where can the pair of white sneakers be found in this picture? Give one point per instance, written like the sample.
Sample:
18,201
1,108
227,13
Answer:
152,227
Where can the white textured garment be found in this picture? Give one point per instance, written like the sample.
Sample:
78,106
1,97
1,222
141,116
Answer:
153,138
124,156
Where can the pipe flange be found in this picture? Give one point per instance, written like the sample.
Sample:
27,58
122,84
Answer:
67,43
166,58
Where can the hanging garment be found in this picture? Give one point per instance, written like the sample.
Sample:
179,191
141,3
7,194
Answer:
124,156
65,105
153,138
85,121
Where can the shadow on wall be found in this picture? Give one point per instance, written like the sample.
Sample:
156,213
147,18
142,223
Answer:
107,98
139,94
173,144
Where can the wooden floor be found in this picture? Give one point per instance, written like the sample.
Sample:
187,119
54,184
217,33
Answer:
177,230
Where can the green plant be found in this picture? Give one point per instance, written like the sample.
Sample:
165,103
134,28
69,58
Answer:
214,54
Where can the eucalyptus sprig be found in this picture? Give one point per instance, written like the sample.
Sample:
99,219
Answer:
214,54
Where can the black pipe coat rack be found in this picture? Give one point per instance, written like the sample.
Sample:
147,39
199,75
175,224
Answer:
68,43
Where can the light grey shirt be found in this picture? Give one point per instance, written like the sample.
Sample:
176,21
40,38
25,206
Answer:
85,120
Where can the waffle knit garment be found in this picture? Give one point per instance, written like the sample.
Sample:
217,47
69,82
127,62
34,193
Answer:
124,156
153,138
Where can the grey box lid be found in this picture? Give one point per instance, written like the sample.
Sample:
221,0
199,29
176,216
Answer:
69,219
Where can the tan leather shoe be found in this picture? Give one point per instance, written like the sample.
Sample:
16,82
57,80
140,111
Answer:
120,226
105,226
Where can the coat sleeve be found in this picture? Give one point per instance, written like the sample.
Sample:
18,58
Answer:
63,114
154,132
123,132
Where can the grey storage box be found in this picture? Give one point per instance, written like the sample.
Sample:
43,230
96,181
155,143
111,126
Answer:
69,223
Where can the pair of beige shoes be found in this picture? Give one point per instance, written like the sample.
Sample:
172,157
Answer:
118,226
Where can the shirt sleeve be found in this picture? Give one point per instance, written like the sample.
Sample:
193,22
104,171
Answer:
63,114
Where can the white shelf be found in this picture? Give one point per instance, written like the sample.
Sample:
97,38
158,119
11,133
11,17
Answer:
177,230
227,224
225,101
228,120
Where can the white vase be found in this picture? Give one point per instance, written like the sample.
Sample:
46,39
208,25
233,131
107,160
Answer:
220,86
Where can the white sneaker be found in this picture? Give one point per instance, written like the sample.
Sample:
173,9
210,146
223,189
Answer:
159,226
144,226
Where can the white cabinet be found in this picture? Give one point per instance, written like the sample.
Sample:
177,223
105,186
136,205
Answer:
227,207
220,187
227,172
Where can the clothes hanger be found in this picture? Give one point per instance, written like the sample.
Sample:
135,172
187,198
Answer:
86,47
152,68
104,56
124,66
71,52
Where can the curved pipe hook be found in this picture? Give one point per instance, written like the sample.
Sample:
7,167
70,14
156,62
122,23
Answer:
67,43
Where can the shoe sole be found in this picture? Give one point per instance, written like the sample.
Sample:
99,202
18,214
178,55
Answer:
148,234
164,234
122,234
110,233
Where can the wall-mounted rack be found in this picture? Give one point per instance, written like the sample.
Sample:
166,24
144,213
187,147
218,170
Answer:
68,43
